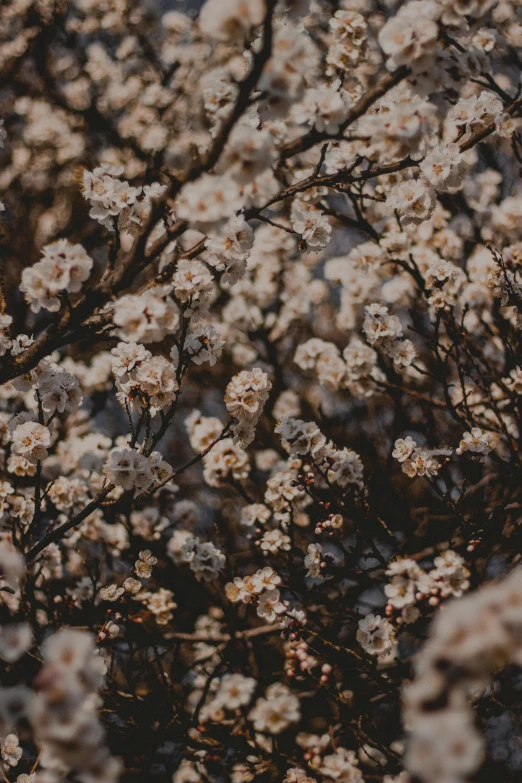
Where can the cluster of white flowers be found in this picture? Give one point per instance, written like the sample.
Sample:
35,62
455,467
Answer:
474,114
477,441
414,200
304,439
234,691
350,33
417,460
324,360
380,327
229,249
226,461
411,584
71,675
341,765
476,635
261,589
63,270
151,382
204,559
113,199
11,750
232,20
55,389
208,201
245,398
192,286
312,226
160,603
31,440
376,636
410,37
146,318
130,469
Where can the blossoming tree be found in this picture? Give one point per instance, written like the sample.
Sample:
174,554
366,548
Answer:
260,391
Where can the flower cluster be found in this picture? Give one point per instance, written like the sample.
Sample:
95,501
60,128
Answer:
245,398
63,270
476,635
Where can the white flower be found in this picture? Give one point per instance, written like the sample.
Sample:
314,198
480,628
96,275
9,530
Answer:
5,340
475,441
246,393
192,284
350,36
348,25
202,430
446,745
506,125
239,590
248,153
345,467
204,344
15,640
276,711
403,353
274,540
473,114
297,775
327,109
154,381
229,248
225,459
269,606
58,390
143,566
378,325
308,353
235,690
230,20
254,514
265,579
219,94
210,199
132,586
12,565
71,652
160,604
404,448
111,592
